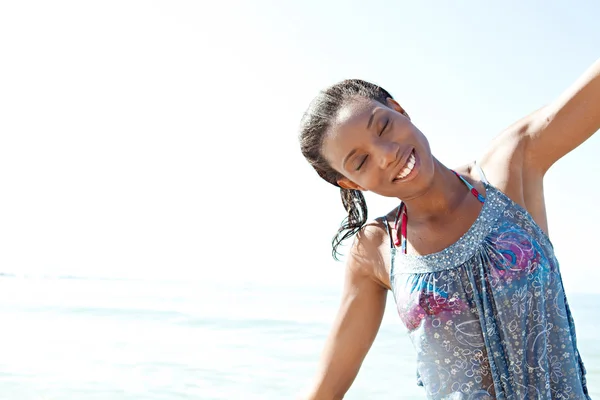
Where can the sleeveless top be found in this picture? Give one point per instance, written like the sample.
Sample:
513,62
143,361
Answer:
488,315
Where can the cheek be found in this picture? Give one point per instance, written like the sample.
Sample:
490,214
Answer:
370,181
420,140
424,144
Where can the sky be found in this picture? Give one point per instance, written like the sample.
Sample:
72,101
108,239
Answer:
159,138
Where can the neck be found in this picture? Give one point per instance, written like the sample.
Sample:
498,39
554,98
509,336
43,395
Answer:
444,195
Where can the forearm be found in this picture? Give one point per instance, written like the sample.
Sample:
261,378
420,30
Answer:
567,122
578,108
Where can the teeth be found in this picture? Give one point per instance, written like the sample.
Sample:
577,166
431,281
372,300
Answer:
408,167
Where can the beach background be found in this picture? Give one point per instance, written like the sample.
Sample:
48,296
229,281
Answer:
81,338
161,236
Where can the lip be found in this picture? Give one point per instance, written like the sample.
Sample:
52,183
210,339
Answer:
403,160
401,165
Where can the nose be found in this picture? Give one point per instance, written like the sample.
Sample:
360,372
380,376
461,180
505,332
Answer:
388,153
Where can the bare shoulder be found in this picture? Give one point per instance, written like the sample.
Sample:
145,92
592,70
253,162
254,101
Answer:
370,253
509,166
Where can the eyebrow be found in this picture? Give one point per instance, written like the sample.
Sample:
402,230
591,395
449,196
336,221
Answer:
369,123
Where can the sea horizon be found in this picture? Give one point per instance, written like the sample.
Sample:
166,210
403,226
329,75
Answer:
77,337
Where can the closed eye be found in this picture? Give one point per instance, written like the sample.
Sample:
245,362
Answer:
387,121
361,163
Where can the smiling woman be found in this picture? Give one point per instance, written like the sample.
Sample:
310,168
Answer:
473,272
318,117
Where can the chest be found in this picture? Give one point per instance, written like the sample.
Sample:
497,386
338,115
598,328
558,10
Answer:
434,236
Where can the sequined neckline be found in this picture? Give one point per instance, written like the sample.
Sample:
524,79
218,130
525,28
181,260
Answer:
461,250
402,215
466,234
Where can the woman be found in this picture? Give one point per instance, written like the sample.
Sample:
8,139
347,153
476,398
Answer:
466,253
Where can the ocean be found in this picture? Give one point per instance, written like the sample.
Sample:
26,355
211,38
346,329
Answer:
123,339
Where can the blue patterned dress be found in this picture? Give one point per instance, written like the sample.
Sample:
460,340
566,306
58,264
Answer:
488,315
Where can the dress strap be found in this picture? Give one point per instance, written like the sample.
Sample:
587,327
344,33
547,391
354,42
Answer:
389,230
402,219
474,191
480,172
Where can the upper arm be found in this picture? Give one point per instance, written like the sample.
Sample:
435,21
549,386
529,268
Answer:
356,324
567,122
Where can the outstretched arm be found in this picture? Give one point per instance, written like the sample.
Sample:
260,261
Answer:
561,126
355,327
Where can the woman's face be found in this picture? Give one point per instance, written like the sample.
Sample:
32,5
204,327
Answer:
377,148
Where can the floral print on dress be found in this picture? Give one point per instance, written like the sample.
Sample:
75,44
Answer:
427,300
488,316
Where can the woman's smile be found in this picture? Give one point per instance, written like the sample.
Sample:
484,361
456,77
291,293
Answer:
409,169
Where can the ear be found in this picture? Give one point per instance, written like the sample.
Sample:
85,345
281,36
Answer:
346,183
393,104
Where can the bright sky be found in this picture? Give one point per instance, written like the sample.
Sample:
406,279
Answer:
158,138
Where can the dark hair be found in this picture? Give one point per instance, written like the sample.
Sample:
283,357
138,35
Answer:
315,123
